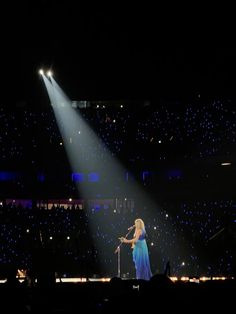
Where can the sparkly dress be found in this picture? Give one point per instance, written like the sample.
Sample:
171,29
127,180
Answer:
141,258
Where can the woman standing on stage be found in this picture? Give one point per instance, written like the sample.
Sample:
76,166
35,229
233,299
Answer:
140,251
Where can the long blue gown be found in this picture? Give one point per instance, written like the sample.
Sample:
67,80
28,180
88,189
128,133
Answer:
141,258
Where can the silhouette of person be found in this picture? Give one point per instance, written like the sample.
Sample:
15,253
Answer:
140,251
12,281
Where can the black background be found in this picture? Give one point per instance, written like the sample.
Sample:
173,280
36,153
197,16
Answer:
116,52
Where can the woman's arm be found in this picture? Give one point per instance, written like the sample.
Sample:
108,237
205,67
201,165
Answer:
138,232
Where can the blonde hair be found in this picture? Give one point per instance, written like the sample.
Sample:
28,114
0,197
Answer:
139,223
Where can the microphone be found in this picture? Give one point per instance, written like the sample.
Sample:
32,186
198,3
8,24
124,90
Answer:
132,227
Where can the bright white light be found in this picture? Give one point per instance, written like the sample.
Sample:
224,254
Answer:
159,141
68,238
183,263
49,73
155,228
70,199
41,72
27,230
226,164
167,215
50,238
152,243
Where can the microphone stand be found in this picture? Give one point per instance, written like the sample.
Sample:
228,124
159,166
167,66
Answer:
118,252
